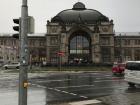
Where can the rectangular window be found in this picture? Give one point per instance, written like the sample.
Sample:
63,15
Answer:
105,41
1,42
53,55
106,54
72,51
117,42
137,42
126,42
42,43
53,40
137,54
32,42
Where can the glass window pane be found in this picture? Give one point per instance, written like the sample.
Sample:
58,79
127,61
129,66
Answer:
79,45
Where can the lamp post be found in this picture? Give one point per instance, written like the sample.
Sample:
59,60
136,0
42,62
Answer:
23,83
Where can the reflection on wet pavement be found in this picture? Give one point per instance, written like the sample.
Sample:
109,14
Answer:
122,99
67,87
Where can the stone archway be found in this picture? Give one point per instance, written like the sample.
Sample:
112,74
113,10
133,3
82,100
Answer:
79,48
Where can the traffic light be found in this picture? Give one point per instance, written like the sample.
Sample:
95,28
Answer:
16,28
30,26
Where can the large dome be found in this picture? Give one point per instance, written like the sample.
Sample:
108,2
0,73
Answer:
79,14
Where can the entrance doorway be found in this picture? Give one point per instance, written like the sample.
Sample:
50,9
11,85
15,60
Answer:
79,48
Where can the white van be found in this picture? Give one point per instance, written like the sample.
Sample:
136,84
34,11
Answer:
132,73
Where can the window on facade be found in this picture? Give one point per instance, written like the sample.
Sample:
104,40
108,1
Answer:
7,57
53,55
32,43
4,42
79,45
127,54
105,41
137,54
106,54
14,42
126,42
53,40
117,42
54,29
42,54
1,42
117,52
1,57
137,42
42,43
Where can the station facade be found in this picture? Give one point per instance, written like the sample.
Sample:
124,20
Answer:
75,36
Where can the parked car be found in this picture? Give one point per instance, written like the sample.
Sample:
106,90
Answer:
132,73
14,65
118,68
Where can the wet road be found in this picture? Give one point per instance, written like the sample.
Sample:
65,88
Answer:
9,91
68,87
49,88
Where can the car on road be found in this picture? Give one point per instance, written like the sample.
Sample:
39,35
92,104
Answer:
118,68
132,73
14,65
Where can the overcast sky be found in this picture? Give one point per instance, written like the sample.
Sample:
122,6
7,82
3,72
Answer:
125,13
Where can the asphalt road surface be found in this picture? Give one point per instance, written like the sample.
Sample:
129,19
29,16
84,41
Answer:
67,87
60,87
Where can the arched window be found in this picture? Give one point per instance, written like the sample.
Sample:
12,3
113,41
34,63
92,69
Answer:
79,48
79,45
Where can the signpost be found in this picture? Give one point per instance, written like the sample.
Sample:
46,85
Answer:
24,55
60,54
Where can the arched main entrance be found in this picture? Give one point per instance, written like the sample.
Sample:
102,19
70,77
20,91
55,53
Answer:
80,48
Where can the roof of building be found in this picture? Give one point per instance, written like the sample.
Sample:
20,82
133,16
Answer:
44,34
31,35
79,13
127,33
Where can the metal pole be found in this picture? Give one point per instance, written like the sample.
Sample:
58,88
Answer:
60,52
121,56
59,62
23,55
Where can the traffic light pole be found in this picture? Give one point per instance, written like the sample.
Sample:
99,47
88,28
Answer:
23,82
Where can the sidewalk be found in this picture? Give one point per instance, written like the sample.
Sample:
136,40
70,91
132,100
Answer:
122,99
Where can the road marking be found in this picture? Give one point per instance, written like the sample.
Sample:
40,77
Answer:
99,78
73,94
51,88
38,85
83,96
75,86
108,75
55,89
86,102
